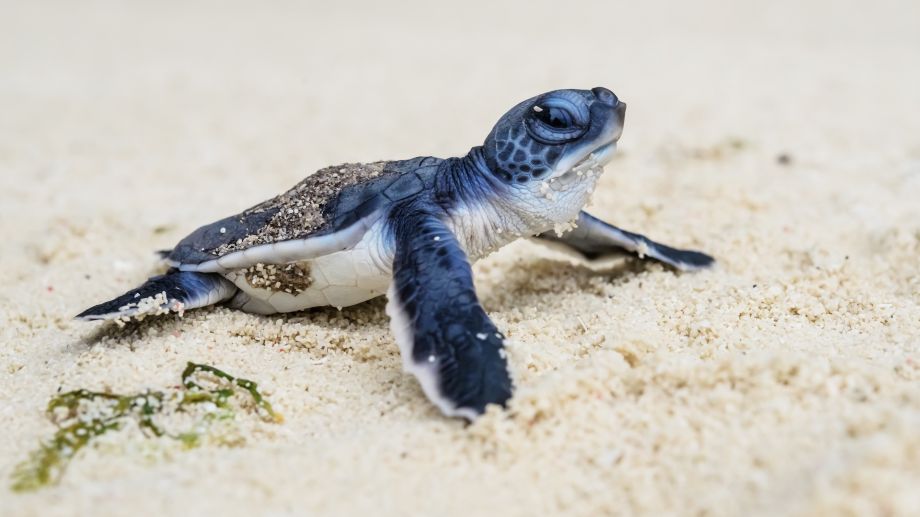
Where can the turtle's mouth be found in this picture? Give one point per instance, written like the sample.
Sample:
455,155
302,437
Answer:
585,172
596,158
592,164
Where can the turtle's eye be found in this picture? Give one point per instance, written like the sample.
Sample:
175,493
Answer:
558,118
556,121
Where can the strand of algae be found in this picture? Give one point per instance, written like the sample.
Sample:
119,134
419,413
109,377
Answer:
82,416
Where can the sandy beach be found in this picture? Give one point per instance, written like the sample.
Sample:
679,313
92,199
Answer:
783,139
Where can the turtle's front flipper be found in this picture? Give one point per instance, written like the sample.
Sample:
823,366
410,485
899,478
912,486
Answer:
594,238
446,339
176,290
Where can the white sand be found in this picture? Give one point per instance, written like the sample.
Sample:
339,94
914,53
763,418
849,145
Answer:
783,382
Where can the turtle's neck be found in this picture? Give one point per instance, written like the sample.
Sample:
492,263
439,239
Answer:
480,209
465,180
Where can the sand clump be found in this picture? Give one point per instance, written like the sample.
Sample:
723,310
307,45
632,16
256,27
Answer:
293,278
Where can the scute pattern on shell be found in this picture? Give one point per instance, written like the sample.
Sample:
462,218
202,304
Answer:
300,209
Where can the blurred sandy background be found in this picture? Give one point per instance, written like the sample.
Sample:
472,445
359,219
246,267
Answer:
782,137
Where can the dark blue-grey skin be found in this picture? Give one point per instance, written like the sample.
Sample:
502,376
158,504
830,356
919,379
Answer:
411,228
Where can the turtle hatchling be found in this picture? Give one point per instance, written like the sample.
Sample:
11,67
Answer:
410,229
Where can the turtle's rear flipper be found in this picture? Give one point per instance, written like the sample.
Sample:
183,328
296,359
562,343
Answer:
446,339
593,239
174,291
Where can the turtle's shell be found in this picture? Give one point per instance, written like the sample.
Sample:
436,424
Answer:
325,202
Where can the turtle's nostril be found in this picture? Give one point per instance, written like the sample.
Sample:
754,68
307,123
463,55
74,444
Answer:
606,96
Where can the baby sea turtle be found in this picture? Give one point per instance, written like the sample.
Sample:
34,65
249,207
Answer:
410,229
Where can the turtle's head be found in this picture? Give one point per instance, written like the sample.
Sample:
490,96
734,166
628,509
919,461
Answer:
554,134
551,149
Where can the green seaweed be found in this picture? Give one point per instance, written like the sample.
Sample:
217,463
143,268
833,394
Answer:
196,393
82,415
